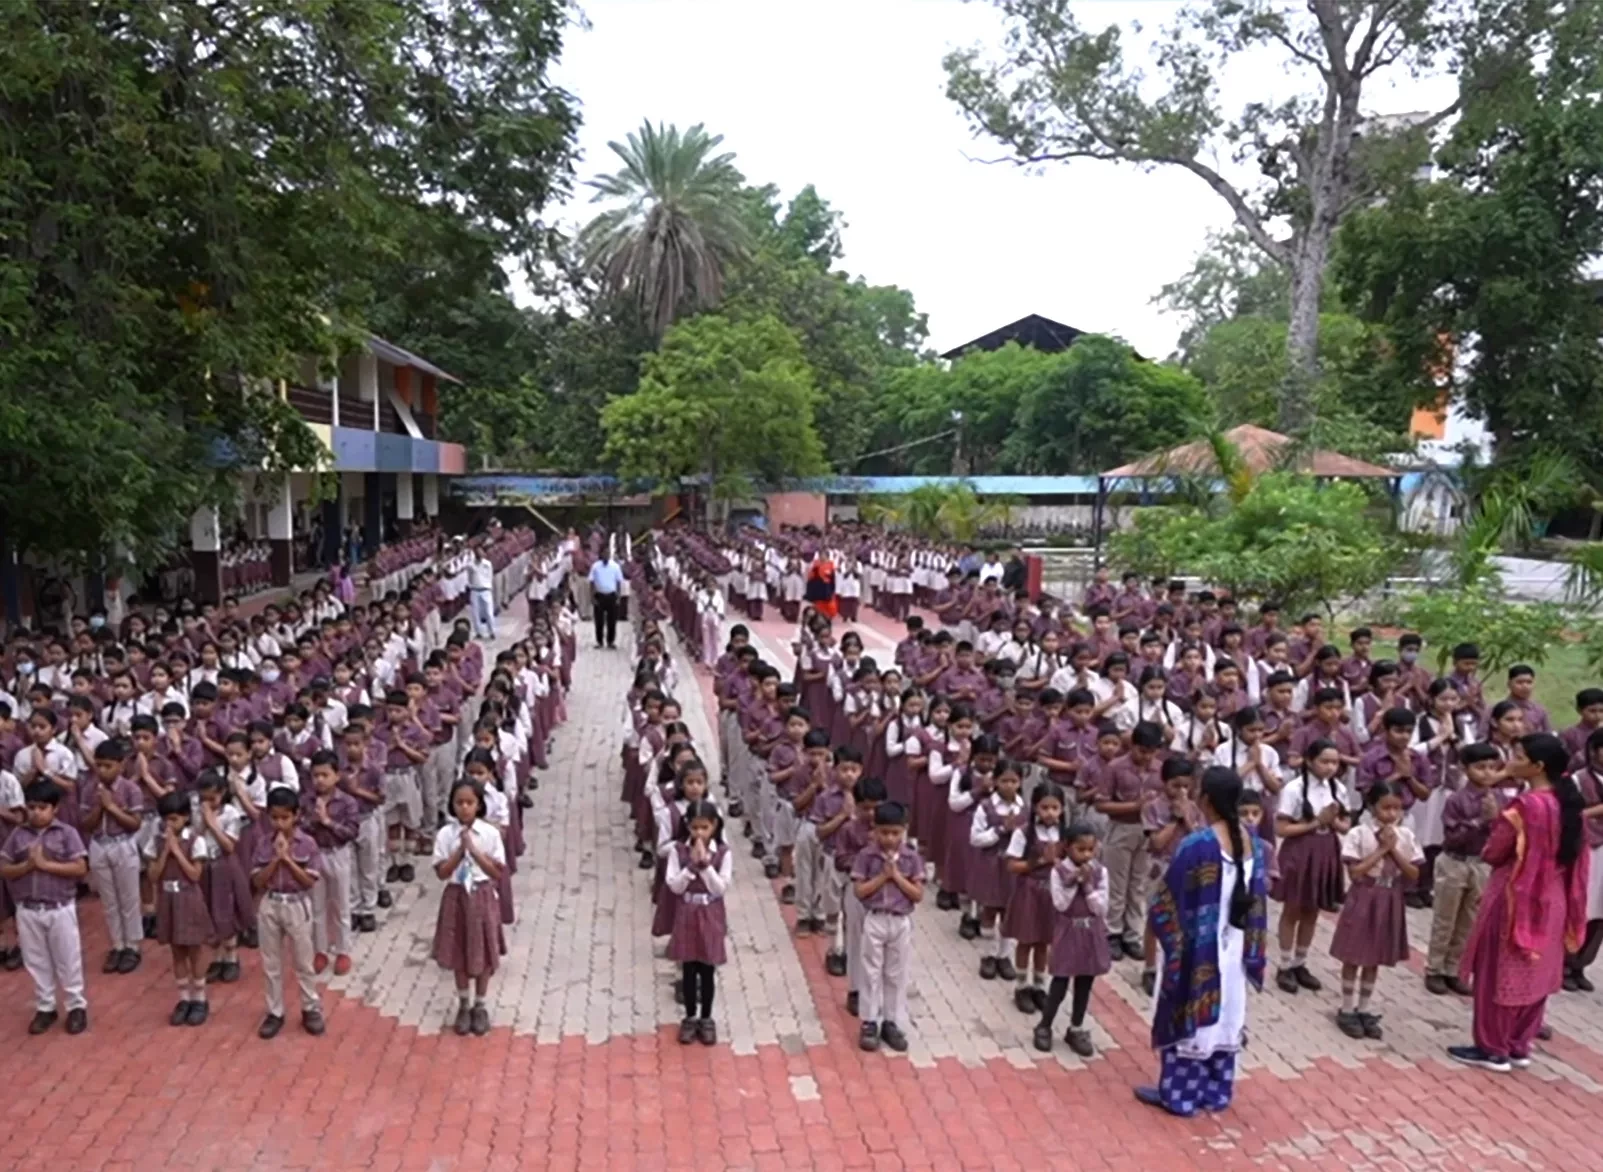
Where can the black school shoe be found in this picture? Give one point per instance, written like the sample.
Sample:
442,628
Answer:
1080,1042
1371,1024
42,1021
1350,1023
1024,1000
1149,981
525,802
406,873
464,1020
270,1026
214,972
771,870
1043,1039
179,1015
312,1022
968,928
12,960
1306,979
149,925
891,1034
384,899
736,810
851,1003
689,1031
835,964
77,1021
987,968
391,875
230,972
130,960
199,1011
1582,984
757,849
113,959
947,901
1286,981
480,1023
1005,969
367,922
787,893
868,1036
1437,984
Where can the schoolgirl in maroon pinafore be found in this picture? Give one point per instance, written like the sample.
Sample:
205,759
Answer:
689,786
886,709
655,740
469,938
990,881
947,754
819,662
225,882
699,874
1030,919
972,784
176,853
480,769
643,715
900,742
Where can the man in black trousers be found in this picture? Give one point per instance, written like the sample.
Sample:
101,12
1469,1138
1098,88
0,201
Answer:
606,586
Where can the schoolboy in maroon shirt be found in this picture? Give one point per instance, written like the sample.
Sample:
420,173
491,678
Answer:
42,862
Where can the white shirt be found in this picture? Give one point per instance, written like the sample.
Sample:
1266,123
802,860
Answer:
1016,844
717,879
56,759
151,703
10,791
1363,840
991,572
201,845
1320,795
481,574
1066,884
486,838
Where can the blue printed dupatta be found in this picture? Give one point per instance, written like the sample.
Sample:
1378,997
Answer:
1184,917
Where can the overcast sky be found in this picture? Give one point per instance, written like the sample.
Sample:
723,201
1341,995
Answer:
849,95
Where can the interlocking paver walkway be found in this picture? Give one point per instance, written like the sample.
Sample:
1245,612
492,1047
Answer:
583,1072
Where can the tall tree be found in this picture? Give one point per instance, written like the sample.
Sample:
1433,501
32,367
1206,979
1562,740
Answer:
855,335
1061,92
677,222
731,401
1483,280
199,194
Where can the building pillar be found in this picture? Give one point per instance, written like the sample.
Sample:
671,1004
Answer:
372,513
403,501
281,533
205,546
431,495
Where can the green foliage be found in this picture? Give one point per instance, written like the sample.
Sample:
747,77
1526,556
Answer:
732,401
1230,278
196,195
1286,536
1242,361
856,336
1084,410
1499,248
1507,632
675,224
1097,407
1058,91
946,511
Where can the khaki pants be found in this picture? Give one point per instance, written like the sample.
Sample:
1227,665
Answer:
1459,883
1124,853
331,904
887,963
114,862
434,777
287,920
368,861
582,598
816,895
52,953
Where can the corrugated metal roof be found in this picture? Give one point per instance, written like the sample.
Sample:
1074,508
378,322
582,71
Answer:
396,356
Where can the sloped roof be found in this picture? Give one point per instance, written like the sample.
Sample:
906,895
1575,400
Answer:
396,356
1260,449
1042,333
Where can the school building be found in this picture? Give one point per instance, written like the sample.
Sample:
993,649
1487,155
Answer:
378,419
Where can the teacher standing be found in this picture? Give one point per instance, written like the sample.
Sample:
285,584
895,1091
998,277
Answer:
1533,909
606,585
1210,919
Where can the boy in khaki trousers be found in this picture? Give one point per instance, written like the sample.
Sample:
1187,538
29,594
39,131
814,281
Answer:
285,865
1461,873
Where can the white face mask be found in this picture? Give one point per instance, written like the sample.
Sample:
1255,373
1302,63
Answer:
96,622
270,675
24,667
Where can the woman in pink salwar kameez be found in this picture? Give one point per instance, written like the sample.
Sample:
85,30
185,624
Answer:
1533,909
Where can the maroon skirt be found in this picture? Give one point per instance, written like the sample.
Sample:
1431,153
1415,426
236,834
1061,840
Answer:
1310,872
931,812
467,935
698,931
1080,947
898,781
1373,927
228,896
503,885
181,916
634,775
1030,916
663,916
958,859
990,883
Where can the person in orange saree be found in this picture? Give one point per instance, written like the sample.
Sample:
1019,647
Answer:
1533,909
821,588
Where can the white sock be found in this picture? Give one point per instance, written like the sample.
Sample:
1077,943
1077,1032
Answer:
1004,946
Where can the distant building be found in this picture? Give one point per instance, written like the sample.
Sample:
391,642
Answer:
1040,333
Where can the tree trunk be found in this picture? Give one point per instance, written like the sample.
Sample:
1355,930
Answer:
1302,335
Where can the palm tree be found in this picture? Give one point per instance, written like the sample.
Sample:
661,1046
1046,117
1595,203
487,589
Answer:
676,226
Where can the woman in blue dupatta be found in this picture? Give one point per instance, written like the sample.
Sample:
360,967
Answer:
1209,915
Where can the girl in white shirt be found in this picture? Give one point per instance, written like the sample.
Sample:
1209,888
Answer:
470,857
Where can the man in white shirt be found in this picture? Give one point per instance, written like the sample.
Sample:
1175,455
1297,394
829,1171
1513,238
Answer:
992,570
606,584
481,577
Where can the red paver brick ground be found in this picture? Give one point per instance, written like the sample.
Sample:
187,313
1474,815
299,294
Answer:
133,1093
